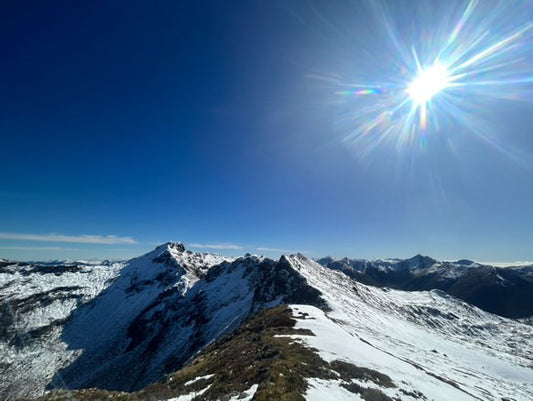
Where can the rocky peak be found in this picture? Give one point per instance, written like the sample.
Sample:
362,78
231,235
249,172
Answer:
418,262
177,246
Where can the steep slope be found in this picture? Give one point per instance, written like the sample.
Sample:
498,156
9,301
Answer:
504,291
161,329
226,335
35,302
258,361
401,333
97,303
299,352
160,310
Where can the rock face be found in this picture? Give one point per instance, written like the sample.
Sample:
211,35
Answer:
35,302
216,323
148,318
505,291
165,321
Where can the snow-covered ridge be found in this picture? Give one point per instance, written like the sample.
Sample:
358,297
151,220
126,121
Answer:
480,376
38,300
488,356
506,291
123,325
153,313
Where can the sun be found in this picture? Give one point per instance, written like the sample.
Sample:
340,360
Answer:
428,83
449,77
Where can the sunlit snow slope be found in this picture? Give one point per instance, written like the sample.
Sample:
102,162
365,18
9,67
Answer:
217,324
427,342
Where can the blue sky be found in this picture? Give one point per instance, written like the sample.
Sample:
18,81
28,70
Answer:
127,124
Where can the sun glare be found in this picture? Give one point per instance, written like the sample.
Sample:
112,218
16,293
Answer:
428,83
444,79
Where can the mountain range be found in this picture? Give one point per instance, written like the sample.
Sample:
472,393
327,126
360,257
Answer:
506,291
180,325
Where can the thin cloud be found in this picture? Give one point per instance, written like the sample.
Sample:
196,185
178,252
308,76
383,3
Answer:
37,248
215,246
508,264
265,249
80,239
283,251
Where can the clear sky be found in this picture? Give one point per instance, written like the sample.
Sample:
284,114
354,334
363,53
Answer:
243,126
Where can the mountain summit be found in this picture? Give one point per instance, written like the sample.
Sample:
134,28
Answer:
180,325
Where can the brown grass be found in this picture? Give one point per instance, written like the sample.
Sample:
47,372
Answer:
252,354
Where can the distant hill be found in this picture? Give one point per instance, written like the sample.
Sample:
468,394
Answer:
506,291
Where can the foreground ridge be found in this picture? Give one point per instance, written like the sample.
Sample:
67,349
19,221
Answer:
258,361
180,325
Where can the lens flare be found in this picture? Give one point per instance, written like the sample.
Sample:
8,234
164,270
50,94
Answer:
449,77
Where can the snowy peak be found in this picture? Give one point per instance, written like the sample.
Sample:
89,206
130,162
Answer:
298,261
127,325
166,306
418,262
171,264
504,291
193,264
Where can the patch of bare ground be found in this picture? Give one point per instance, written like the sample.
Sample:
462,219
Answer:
255,353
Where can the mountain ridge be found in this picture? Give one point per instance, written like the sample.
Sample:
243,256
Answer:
505,291
133,323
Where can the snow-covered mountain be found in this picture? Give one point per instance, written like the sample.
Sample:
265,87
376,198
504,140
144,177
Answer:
35,302
507,291
205,327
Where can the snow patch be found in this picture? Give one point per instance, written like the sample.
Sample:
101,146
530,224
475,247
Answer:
190,396
247,395
197,379
322,390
